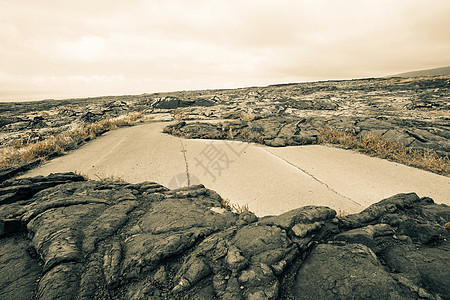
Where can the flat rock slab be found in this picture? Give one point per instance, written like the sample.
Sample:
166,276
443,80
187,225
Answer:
270,180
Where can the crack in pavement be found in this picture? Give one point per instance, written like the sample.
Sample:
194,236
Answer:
183,150
312,176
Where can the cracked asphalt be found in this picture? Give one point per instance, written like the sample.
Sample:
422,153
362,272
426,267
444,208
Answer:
270,180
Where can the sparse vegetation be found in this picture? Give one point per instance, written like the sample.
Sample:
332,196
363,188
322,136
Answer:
240,208
341,213
226,203
383,148
110,178
18,154
84,175
103,178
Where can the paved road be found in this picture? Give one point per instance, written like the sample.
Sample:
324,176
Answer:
270,180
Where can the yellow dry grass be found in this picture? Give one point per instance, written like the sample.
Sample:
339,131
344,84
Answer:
240,208
104,178
225,203
84,175
16,155
341,213
380,147
234,207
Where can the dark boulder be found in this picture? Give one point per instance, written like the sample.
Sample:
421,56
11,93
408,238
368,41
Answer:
174,102
345,271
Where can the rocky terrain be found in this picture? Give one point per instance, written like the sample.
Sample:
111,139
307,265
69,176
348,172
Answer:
66,238
414,111
63,237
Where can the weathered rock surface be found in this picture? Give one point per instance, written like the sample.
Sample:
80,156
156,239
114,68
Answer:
279,131
170,102
412,111
65,238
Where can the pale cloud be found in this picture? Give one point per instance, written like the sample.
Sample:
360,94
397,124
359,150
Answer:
105,47
87,48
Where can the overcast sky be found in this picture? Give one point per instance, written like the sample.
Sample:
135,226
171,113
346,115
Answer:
66,48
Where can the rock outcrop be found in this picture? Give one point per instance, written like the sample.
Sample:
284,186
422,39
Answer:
66,238
170,102
279,131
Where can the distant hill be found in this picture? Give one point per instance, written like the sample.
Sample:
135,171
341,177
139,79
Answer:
428,72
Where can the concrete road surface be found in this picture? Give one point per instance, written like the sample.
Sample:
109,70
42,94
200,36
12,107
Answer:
270,180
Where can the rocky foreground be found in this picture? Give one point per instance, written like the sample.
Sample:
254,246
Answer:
66,238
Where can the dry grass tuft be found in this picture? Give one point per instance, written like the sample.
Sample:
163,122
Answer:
234,207
110,178
341,213
240,208
16,155
84,175
225,203
380,147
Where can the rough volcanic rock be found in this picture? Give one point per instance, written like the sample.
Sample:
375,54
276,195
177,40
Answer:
170,102
66,238
14,190
19,268
91,117
342,271
279,131
412,111
13,171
